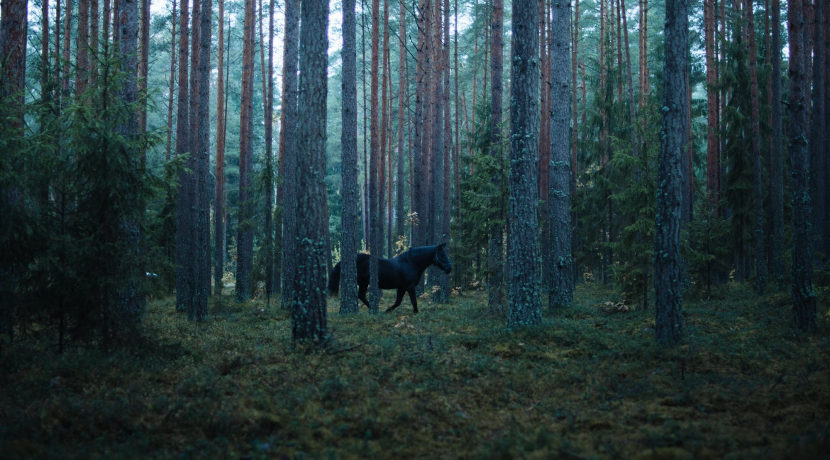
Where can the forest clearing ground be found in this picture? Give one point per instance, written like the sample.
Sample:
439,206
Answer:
450,382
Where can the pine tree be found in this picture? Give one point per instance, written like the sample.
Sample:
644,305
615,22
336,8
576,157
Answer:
818,162
199,309
776,160
269,168
804,300
245,241
668,317
183,199
524,297
375,238
348,140
219,189
308,310
495,250
760,253
288,156
559,194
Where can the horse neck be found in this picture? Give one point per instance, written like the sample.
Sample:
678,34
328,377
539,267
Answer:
423,257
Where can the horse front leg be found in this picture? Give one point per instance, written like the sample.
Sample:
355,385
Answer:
361,294
398,301
413,298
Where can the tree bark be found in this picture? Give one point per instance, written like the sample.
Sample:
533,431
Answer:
559,194
495,251
199,309
825,15
308,312
399,202
444,278
348,141
524,296
172,80
712,152
219,186
289,158
143,51
776,160
818,171
269,161
245,240
760,252
183,199
82,48
544,145
804,300
374,158
667,282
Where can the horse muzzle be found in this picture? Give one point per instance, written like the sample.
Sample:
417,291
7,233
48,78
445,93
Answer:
448,270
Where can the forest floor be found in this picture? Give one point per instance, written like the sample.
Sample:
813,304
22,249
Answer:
450,382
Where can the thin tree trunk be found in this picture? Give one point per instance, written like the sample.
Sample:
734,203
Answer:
245,241
495,252
825,15
776,160
289,131
544,145
348,142
559,194
219,187
444,278
382,162
667,279
183,203
399,204
525,303
173,79
374,158
199,308
143,51
194,245
712,153
82,48
269,161
804,300
760,253
44,51
818,171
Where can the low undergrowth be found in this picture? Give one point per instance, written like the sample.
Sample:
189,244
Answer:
450,382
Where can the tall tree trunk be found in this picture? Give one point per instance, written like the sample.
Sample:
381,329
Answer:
308,312
219,186
173,79
93,43
183,199
544,144
384,133
804,300
44,50
399,202
374,158
436,276
825,15
712,152
495,251
199,308
269,161
776,160
818,163
194,117
289,158
245,238
444,278
575,141
82,48
143,51
760,253
524,296
348,142
67,40
667,279
559,194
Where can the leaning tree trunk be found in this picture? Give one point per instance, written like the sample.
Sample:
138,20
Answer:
668,315
495,250
524,296
308,310
804,300
289,160
559,194
348,141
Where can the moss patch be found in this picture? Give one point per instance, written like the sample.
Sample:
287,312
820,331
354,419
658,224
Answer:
450,382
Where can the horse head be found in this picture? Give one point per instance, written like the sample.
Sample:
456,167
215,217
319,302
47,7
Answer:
442,258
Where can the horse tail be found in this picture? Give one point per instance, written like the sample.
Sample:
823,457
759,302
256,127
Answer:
334,280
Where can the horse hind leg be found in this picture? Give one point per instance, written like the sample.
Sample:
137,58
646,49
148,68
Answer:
398,301
414,298
361,294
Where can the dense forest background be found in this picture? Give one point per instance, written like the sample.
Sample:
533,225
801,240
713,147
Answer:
430,112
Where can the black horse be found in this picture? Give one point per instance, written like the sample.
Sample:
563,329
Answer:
402,273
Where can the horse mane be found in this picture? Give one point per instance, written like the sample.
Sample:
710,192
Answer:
411,252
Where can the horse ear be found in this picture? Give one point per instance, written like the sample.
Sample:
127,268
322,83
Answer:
442,245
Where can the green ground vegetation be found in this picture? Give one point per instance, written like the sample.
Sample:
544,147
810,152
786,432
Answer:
450,382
